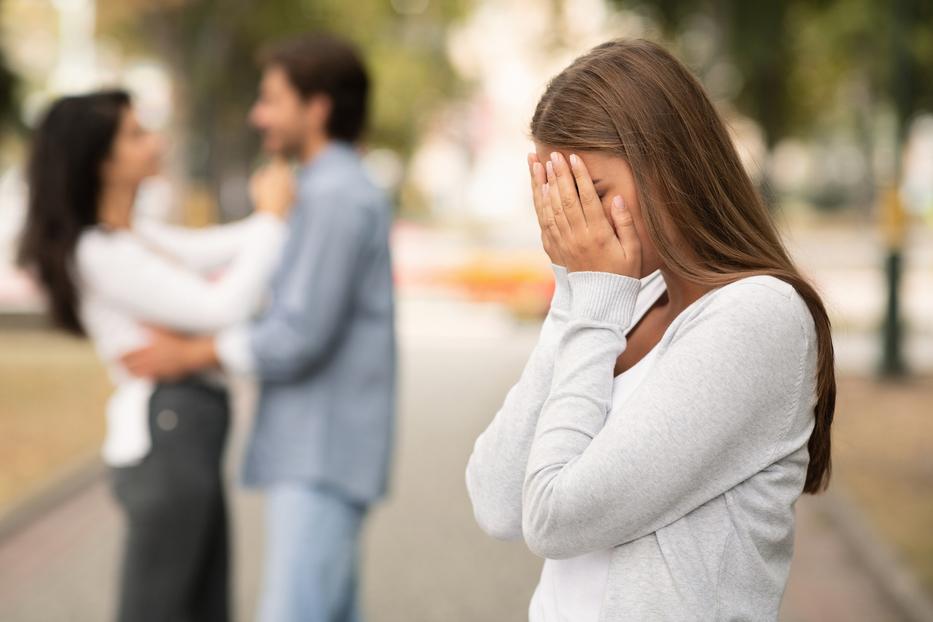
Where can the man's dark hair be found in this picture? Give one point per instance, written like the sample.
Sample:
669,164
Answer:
324,64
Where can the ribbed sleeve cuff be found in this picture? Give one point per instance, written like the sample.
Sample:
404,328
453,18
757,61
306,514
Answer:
603,297
561,298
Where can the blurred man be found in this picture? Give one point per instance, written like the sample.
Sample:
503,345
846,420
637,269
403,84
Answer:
324,348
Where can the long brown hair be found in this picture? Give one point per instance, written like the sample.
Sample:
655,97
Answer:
633,99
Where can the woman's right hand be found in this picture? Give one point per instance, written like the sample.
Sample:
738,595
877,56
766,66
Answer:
272,188
538,182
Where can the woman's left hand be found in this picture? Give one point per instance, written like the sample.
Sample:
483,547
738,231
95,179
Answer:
272,188
578,224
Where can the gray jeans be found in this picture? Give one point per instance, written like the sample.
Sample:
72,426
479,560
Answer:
175,564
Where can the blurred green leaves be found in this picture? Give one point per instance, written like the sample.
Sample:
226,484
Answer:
795,57
211,47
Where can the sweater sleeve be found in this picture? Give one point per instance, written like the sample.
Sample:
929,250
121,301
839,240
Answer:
203,249
714,410
158,291
313,298
496,468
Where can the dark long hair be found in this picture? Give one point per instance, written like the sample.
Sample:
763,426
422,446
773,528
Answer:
64,175
633,99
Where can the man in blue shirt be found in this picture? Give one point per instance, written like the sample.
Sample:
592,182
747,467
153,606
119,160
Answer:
324,348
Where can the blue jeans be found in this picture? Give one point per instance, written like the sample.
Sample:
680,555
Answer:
312,551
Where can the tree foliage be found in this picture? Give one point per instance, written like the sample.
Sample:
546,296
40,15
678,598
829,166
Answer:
794,57
211,47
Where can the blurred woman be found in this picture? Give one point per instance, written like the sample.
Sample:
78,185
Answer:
680,397
109,277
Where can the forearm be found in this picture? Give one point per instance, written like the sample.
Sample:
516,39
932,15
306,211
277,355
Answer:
496,468
206,248
576,408
161,293
198,354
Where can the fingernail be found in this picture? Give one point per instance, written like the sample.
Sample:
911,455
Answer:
550,168
617,203
573,160
554,157
536,168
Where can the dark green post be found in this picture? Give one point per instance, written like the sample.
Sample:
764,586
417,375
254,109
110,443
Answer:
892,359
894,219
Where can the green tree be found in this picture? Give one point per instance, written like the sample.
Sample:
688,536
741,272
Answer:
211,47
794,56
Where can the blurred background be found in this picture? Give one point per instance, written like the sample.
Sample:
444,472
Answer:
829,101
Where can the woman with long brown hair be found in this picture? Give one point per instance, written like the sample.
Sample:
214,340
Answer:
680,396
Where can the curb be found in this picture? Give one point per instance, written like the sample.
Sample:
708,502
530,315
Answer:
878,558
70,482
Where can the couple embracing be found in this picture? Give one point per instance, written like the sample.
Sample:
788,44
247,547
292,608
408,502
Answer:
299,295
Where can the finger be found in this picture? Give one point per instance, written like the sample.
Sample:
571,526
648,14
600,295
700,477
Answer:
549,231
142,372
135,367
137,359
567,189
129,360
554,204
538,179
589,199
624,226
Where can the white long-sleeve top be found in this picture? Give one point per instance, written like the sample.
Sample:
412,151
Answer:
692,480
159,275
573,588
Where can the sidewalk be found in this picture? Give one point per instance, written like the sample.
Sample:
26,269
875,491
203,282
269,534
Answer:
426,561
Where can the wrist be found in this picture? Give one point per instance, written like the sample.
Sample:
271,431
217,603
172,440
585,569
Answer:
561,298
200,354
270,212
603,296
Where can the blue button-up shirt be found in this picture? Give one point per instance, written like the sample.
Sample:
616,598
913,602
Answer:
325,347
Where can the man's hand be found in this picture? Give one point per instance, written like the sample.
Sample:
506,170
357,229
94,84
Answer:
170,355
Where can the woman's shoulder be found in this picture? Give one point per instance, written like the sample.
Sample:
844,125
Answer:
771,295
762,307
762,287
99,249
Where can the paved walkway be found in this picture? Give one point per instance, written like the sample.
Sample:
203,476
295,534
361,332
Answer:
426,561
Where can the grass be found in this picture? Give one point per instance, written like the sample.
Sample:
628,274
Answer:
53,392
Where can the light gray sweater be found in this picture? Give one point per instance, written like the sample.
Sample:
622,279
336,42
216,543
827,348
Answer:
692,481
